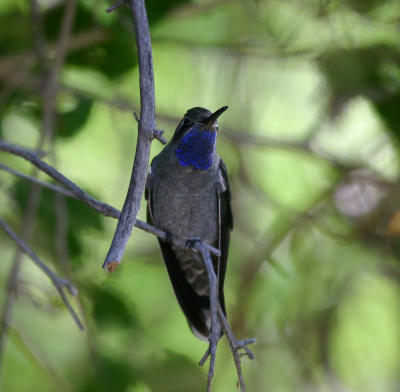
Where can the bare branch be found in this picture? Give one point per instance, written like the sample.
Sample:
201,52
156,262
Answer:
51,86
103,208
215,330
28,224
39,40
235,345
58,282
49,94
78,193
116,5
61,233
218,323
8,64
157,133
145,134
16,78
35,180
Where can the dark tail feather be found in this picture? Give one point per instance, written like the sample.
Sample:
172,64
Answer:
195,307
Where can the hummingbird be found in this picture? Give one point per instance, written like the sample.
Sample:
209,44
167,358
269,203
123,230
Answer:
188,196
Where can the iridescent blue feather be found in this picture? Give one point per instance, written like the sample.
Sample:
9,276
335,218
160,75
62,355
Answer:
197,149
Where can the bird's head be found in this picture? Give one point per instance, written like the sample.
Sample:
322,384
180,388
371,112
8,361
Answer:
203,118
200,119
195,137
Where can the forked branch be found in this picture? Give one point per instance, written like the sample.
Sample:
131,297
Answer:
220,323
80,194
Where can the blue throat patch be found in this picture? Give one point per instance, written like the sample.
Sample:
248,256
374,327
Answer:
197,149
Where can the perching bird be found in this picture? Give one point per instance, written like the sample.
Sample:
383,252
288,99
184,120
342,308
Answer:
188,197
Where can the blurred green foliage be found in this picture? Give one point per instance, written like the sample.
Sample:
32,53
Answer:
311,142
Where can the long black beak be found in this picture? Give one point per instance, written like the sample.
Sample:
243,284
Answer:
215,115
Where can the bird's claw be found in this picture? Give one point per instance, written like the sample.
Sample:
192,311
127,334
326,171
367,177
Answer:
242,344
191,244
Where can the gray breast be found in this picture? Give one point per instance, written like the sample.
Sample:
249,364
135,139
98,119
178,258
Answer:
185,201
185,205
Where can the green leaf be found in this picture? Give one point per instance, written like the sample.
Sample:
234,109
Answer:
110,308
71,122
15,36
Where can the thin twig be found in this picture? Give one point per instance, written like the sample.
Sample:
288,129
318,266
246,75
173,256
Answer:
145,134
39,39
51,87
8,64
218,322
27,231
17,77
24,344
215,330
58,282
235,345
116,5
157,133
35,180
49,94
78,193
61,233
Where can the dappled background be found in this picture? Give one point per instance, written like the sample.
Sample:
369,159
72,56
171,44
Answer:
311,142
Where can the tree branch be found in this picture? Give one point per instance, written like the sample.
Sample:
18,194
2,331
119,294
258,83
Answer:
51,86
49,94
27,231
8,64
36,181
157,133
219,322
215,330
145,134
116,5
78,193
58,282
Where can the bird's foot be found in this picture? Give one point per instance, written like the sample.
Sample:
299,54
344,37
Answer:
242,345
235,344
191,244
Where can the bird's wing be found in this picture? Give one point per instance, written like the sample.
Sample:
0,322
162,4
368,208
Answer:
225,192
225,218
193,305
